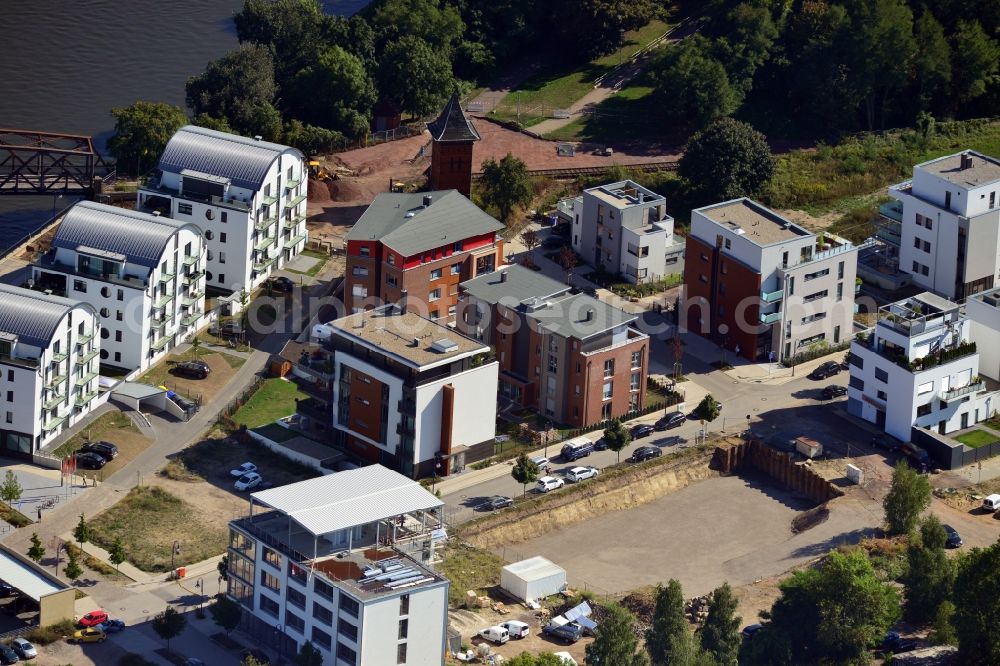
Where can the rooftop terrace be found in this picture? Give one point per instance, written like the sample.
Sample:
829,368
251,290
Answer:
753,221
967,169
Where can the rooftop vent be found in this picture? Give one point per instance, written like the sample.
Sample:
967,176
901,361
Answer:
966,162
257,137
588,315
156,213
444,345
503,276
415,342
409,214
428,200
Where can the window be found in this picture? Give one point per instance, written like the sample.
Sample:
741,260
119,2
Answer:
404,605
105,333
359,271
121,295
269,606
924,270
222,257
840,271
840,291
105,312
436,274
925,388
927,246
857,382
10,375
881,395
608,390
553,363
10,417
606,411
434,314
293,621
814,317
104,354
729,244
634,381
296,598
322,613
222,237
345,628
815,296
817,274
609,368
916,242
636,359
434,295
993,200
703,278
222,278
924,410
882,375
791,286
947,200
118,336
10,396
119,315
224,217
269,581
209,235
347,654
349,605
456,269
80,285
401,653
457,246
391,280
324,590
451,310
390,259
321,638
118,356
272,558
404,628
364,251
184,209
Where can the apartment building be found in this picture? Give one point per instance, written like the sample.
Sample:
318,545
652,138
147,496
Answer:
343,561
248,195
918,367
411,394
983,310
624,228
422,245
48,367
950,224
764,287
574,358
143,274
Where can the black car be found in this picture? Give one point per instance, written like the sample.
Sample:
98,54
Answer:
497,502
601,445
567,633
749,631
553,242
193,369
828,369
642,430
885,442
104,449
954,540
671,420
259,655
645,453
834,391
8,656
281,283
89,460
895,643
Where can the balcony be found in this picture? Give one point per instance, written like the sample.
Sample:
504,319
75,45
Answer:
296,201
189,319
86,397
59,357
191,260
268,200
296,240
87,358
293,222
55,381
265,223
82,381
952,394
54,401
772,296
154,187
85,338
770,318
194,276
264,243
53,423
163,300
261,266
293,183
166,277
187,300
160,343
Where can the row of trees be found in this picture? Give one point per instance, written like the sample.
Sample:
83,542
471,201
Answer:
834,65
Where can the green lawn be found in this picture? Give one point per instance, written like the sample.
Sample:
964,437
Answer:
976,438
275,399
627,115
558,89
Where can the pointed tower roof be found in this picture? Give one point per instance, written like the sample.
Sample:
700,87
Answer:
452,125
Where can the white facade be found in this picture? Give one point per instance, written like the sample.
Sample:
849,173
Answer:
48,367
895,386
950,230
983,311
249,197
150,296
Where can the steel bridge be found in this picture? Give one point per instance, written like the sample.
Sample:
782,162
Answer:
34,162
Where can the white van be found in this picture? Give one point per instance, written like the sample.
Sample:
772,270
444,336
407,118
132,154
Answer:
991,502
495,634
516,629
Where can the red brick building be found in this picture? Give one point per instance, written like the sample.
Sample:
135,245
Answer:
452,134
572,357
421,246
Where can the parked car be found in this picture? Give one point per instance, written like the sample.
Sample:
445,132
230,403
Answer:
991,502
581,474
601,445
828,369
496,634
112,626
645,453
885,442
93,618
954,539
895,643
576,448
671,420
90,461
515,628
227,328
642,430
257,654
7,590
23,648
106,450
497,502
834,391
553,242
749,631
281,283
248,481
192,369
547,483
89,635
541,461
245,468
567,633
7,655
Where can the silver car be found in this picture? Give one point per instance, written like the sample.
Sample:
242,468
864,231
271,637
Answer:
23,648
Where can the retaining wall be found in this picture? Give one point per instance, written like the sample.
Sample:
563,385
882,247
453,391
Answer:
777,465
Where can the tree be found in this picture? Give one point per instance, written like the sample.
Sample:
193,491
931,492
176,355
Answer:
932,61
720,635
567,260
223,567
668,639
708,409
726,160
977,604
10,490
415,77
141,133
212,123
37,550
292,30
437,23
692,86
530,239
310,139
169,624
525,471
308,656
617,437
335,92
505,185
909,495
116,554
976,58
251,660
226,613
543,659
931,574
942,631
73,569
603,21
240,88
615,641
82,531
745,38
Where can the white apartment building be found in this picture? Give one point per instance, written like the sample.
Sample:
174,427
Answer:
143,274
983,310
763,286
48,367
343,561
248,195
950,228
624,227
918,367
411,394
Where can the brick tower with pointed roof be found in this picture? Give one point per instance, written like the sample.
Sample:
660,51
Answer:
451,155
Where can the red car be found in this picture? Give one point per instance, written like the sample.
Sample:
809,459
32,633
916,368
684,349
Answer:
93,618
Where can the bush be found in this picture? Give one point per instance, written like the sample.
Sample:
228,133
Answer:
51,633
814,352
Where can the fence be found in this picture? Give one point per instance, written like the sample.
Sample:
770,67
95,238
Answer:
375,138
951,454
778,466
226,413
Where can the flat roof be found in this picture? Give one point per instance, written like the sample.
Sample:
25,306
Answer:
137,391
33,584
934,301
981,169
990,297
757,223
346,499
624,193
534,568
513,284
406,335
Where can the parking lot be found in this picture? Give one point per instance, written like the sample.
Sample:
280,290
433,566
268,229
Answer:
721,529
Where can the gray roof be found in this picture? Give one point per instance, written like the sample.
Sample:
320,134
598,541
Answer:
31,580
452,125
401,221
139,237
521,284
567,316
137,390
31,315
244,161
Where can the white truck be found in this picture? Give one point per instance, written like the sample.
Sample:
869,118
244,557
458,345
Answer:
495,634
809,448
991,503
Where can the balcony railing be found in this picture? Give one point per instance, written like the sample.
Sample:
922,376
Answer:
770,317
54,401
85,338
53,423
264,244
87,358
161,343
296,201
189,319
166,277
163,300
772,296
952,394
86,397
293,183
82,381
265,223
191,261
55,381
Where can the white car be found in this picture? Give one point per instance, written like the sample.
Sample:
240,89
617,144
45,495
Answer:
581,474
495,634
23,648
245,468
541,461
248,481
547,483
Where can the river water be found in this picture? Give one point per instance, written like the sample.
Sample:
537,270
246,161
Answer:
64,64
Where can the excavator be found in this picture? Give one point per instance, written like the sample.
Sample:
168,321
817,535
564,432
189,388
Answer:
316,170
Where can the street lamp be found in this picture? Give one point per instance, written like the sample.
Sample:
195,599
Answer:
748,427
